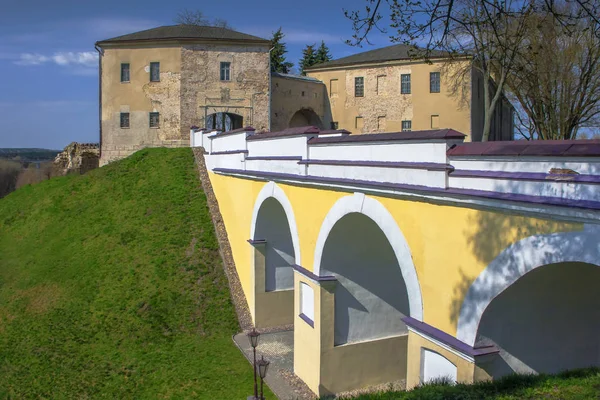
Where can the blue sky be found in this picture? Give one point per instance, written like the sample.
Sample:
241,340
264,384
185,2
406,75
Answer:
48,65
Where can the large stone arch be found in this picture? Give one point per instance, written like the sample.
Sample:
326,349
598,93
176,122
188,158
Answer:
305,117
516,261
374,210
272,190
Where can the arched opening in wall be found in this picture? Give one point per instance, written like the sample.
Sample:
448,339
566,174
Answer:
224,122
272,225
371,297
546,322
305,117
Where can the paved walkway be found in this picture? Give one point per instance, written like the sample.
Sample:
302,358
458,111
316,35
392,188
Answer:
278,348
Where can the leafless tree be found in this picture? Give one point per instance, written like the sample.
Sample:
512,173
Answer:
556,78
486,32
197,18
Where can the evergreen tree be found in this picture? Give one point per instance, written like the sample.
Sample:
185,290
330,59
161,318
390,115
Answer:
323,54
309,58
278,62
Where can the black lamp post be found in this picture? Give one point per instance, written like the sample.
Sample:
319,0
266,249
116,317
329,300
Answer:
263,366
253,337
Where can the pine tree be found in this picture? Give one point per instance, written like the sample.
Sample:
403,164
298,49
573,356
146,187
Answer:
323,54
278,62
309,58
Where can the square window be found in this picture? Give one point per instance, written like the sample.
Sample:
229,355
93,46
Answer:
334,125
406,126
225,71
124,120
154,72
154,120
125,72
359,86
405,84
434,82
435,122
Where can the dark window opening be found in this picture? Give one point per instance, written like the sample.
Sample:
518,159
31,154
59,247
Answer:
125,72
359,86
154,72
405,84
406,126
434,82
224,121
124,120
334,125
225,71
154,120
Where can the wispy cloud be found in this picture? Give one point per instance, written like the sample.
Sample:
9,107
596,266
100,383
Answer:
88,59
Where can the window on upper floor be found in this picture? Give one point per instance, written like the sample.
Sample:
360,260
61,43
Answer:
405,84
381,84
434,82
406,126
125,72
154,72
154,120
359,86
225,71
124,120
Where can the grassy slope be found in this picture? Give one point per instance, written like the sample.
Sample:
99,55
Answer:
111,286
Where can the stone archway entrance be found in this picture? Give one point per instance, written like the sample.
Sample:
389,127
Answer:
305,117
224,121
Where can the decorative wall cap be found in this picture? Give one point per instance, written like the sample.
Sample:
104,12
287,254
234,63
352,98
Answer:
526,176
248,129
275,158
523,148
334,131
438,134
257,241
430,166
308,274
447,339
302,130
216,153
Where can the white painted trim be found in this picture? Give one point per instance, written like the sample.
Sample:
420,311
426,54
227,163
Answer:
563,213
272,190
517,260
359,203
442,345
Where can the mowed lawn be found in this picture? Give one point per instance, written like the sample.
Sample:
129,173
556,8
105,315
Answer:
111,286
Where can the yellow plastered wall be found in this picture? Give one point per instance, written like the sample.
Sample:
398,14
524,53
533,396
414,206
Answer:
450,245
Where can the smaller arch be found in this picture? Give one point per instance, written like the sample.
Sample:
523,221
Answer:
359,203
224,121
517,260
305,117
272,190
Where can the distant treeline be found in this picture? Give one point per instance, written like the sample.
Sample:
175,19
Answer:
14,174
29,154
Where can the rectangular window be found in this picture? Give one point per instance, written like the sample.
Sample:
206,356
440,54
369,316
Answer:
334,125
154,120
333,87
406,126
225,71
381,84
154,72
124,120
381,123
359,86
358,123
125,72
434,82
435,122
405,84
307,302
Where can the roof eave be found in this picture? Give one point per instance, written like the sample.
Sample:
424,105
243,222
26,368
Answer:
180,40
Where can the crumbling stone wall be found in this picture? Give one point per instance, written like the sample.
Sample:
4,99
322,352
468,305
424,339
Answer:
77,157
203,93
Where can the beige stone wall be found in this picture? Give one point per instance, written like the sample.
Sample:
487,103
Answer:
203,93
290,96
139,97
383,107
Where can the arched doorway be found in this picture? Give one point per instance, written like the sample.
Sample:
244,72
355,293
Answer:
305,117
545,322
223,121
272,226
371,297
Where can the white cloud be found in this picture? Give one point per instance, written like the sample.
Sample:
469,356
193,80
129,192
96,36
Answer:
87,59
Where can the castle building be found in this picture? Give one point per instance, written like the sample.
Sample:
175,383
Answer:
156,83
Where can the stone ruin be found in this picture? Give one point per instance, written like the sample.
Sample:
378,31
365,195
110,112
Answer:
77,157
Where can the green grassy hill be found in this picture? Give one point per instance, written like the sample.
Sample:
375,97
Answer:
111,286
